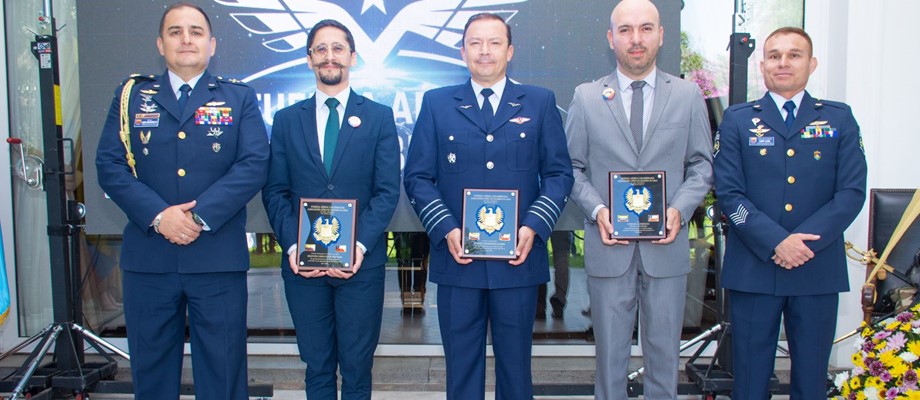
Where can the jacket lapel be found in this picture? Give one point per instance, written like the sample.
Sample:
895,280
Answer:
201,94
808,113
166,96
662,94
310,136
615,105
354,108
769,116
509,105
468,105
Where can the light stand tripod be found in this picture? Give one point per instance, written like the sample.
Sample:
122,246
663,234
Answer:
68,372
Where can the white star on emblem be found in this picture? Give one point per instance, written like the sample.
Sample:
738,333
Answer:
373,3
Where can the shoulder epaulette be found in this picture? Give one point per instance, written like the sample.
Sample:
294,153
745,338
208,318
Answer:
835,104
741,106
137,78
231,80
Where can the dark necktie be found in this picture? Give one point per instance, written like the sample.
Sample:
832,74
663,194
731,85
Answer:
332,133
790,114
636,112
487,112
183,96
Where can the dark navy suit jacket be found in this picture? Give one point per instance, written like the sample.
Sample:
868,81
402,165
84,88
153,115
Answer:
772,182
365,167
186,158
452,149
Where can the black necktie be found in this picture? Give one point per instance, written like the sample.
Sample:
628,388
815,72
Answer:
487,112
790,114
636,112
183,96
332,133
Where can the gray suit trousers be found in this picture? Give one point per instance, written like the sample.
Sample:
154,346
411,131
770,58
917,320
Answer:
613,310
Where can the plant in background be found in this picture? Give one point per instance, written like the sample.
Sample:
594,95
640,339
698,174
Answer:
886,362
693,68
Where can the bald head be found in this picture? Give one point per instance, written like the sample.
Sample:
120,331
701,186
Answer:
631,9
635,36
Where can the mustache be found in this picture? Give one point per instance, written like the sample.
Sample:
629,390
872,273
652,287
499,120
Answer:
327,63
637,47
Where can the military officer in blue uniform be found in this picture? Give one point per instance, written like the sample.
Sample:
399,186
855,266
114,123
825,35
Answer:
181,154
488,133
790,174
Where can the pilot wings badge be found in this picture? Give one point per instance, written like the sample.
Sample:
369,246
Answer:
326,230
490,218
638,199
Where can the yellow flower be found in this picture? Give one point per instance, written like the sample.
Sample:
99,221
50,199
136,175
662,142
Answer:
888,358
898,369
893,325
914,347
854,383
913,394
858,361
874,381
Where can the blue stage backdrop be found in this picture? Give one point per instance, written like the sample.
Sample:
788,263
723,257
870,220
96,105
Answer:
405,48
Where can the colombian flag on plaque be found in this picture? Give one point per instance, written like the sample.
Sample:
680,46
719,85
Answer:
4,285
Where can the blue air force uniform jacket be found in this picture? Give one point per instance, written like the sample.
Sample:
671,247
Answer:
523,149
214,151
771,183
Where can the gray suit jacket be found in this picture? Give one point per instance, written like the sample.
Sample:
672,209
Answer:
677,141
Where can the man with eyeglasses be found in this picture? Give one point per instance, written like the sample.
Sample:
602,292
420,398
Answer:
488,133
336,145
181,154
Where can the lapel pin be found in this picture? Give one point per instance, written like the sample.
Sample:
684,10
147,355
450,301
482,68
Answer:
755,121
466,106
519,120
354,121
817,156
215,146
513,104
608,93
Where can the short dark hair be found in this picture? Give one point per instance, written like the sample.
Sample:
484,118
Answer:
791,30
182,4
335,24
485,16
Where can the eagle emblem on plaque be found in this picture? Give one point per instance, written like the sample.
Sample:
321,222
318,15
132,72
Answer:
326,230
490,218
638,199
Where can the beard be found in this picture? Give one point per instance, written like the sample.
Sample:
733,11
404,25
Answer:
637,67
332,78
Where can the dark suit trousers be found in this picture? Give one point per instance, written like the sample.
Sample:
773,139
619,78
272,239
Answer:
338,325
464,316
155,311
810,322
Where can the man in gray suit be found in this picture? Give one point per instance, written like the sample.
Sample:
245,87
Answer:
638,119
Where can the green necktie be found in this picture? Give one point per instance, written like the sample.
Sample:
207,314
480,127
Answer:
332,133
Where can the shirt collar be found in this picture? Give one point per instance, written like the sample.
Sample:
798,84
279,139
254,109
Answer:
176,82
624,81
342,97
498,87
780,100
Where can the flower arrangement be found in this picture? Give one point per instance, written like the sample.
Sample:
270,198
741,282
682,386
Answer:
886,362
705,80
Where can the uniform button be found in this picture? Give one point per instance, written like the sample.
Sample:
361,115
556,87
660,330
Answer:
330,187
788,207
450,138
490,165
790,152
790,179
490,138
181,172
523,135
181,135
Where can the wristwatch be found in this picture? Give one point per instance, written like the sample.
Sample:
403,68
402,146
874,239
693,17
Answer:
156,222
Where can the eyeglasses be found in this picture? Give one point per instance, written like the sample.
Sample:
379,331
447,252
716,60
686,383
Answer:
322,50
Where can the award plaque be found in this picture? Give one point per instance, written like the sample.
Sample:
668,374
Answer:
490,223
326,238
637,205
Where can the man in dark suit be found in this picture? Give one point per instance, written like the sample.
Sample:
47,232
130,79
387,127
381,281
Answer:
488,133
181,155
791,177
336,145
638,118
